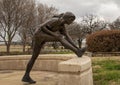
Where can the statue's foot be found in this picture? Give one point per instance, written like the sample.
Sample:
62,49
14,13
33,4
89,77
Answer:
81,51
27,79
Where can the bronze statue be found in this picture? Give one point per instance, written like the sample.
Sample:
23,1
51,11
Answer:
47,32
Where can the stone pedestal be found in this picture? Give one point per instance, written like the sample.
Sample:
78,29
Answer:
76,71
68,69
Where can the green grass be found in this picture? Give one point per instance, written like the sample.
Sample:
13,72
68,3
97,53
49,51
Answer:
106,71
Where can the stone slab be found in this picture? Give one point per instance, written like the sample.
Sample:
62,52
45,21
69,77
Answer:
47,62
75,65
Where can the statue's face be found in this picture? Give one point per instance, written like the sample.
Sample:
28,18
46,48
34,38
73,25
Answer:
69,20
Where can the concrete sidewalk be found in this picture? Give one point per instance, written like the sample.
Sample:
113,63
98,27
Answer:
14,78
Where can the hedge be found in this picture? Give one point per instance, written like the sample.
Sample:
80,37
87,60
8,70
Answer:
104,41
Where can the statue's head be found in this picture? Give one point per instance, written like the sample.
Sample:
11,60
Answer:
68,17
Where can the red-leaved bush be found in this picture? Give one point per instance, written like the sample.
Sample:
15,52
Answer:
104,41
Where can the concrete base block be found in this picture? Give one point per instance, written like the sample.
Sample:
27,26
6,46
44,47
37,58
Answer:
76,71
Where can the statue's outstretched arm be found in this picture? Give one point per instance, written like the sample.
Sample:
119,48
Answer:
68,38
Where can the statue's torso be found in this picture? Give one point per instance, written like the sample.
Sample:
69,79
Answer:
53,24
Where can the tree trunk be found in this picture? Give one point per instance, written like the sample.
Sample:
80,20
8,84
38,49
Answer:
79,42
8,48
24,45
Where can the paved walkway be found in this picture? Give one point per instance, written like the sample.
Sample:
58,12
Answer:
14,78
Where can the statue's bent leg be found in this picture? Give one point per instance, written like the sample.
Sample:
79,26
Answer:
36,50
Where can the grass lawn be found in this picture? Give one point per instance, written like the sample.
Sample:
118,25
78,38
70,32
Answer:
106,70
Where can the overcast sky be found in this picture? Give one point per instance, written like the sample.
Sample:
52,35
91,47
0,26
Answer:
108,9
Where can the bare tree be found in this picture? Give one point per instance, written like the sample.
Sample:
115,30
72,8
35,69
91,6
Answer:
92,23
12,15
115,24
45,12
29,24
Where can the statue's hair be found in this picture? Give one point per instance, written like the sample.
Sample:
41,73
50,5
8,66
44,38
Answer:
59,15
68,15
65,15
